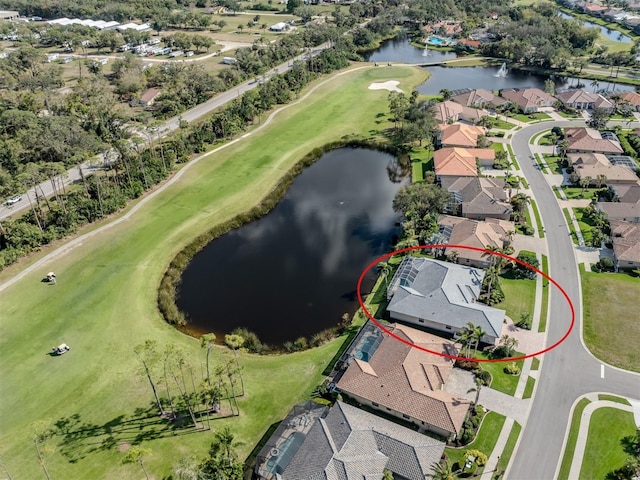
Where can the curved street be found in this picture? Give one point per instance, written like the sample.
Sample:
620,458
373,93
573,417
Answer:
570,370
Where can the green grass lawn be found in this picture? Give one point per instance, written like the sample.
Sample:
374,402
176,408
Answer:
105,303
528,389
505,456
554,163
567,115
604,451
531,117
536,214
541,163
485,441
584,223
501,381
502,125
498,147
421,163
535,363
567,217
563,474
544,312
577,193
612,333
519,296
514,160
613,398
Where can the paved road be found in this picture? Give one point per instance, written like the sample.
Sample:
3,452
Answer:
73,174
568,371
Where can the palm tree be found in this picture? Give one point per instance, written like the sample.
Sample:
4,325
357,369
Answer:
445,93
385,269
146,353
442,470
476,335
136,454
595,84
479,384
235,342
490,282
520,202
465,340
208,341
226,443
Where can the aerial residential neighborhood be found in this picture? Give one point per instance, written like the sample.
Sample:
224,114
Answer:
317,240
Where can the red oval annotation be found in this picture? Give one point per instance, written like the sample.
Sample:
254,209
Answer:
467,247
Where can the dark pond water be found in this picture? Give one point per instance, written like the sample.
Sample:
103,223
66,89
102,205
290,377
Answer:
484,77
607,32
398,49
293,272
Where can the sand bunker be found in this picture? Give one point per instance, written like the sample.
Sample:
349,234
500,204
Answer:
391,85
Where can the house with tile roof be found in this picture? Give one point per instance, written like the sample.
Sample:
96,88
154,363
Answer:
449,112
461,162
529,100
477,98
345,443
626,193
474,233
478,197
599,170
459,135
626,212
625,237
406,382
442,296
581,100
582,139
631,100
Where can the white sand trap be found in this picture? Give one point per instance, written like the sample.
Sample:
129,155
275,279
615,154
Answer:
391,85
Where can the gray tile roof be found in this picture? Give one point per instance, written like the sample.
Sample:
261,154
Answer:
444,293
369,444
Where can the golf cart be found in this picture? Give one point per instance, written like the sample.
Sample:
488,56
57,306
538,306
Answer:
61,349
50,278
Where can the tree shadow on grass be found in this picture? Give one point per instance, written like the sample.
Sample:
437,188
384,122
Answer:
79,438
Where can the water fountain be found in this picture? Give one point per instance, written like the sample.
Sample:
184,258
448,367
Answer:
426,53
503,71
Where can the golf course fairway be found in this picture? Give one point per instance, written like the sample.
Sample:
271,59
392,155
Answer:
105,303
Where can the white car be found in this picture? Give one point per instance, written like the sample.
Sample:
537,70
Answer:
61,349
13,200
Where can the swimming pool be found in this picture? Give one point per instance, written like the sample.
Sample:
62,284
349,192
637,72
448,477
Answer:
436,41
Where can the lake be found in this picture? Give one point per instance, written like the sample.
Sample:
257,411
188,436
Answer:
455,78
293,272
399,50
607,32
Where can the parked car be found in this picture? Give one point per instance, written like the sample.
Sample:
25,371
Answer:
61,349
13,200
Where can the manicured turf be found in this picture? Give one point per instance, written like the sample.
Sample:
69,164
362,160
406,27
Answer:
502,125
519,297
105,303
485,440
544,312
613,398
567,217
536,214
528,389
612,333
535,363
584,223
577,193
604,451
531,117
501,381
570,447
515,162
505,456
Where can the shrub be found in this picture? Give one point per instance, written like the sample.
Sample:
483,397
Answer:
605,265
251,340
512,369
484,376
301,343
480,458
467,365
522,271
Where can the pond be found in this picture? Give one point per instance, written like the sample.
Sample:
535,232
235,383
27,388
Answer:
293,272
456,78
607,32
399,50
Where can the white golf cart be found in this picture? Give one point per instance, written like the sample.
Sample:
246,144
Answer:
61,349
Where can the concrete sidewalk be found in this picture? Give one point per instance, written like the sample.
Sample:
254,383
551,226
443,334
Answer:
583,432
492,462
